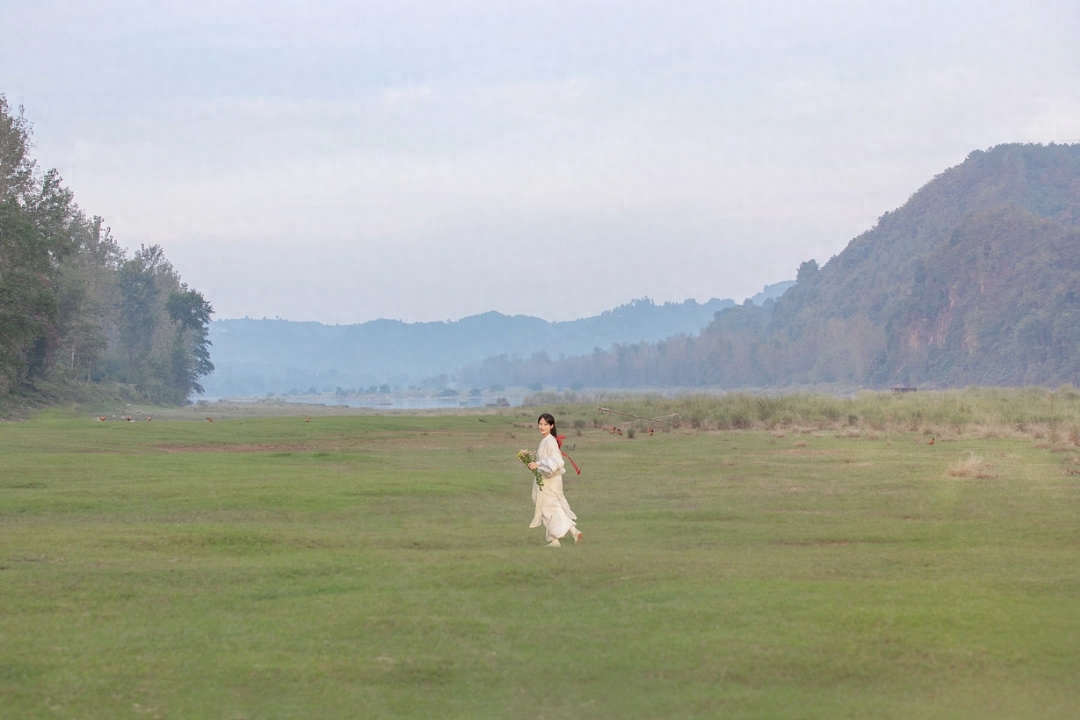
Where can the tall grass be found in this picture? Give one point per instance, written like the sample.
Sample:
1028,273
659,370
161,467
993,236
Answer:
991,412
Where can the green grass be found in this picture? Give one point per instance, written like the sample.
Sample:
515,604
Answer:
381,566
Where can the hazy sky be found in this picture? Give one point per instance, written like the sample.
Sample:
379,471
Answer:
420,160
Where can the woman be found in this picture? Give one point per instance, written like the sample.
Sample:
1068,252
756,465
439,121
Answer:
551,507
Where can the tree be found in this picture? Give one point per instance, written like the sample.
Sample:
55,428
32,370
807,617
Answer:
137,306
190,313
16,167
86,290
27,304
807,271
39,222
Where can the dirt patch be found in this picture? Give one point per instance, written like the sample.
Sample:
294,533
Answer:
803,452
249,448
814,543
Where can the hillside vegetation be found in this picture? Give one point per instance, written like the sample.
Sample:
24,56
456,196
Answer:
973,281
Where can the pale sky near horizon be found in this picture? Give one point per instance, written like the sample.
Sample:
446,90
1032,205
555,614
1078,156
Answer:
417,160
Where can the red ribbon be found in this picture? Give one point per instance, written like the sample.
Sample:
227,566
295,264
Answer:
559,439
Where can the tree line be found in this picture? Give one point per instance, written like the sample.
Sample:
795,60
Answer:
78,313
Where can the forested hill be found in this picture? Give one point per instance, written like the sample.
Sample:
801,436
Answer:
254,357
975,280
80,317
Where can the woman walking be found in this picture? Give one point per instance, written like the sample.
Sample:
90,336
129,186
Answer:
552,510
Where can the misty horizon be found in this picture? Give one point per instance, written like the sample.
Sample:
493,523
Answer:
342,162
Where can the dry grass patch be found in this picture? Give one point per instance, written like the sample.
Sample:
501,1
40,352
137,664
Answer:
973,466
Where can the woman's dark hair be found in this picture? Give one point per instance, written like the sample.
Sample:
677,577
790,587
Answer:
550,421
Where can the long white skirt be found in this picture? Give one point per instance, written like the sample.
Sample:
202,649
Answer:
551,508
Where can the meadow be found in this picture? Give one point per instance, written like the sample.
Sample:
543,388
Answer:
799,557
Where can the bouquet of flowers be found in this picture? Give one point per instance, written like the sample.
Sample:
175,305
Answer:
526,457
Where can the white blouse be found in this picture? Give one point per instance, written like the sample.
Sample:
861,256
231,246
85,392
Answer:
549,458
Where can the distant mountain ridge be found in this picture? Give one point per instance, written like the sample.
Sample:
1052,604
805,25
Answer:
975,280
255,357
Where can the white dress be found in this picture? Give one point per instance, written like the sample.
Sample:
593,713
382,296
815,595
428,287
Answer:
551,507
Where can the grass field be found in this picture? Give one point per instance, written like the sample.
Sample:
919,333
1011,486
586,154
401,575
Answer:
370,566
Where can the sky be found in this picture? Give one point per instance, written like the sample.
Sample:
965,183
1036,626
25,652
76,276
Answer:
418,160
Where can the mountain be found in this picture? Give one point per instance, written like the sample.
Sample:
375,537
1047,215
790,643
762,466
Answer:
997,304
975,280
255,357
